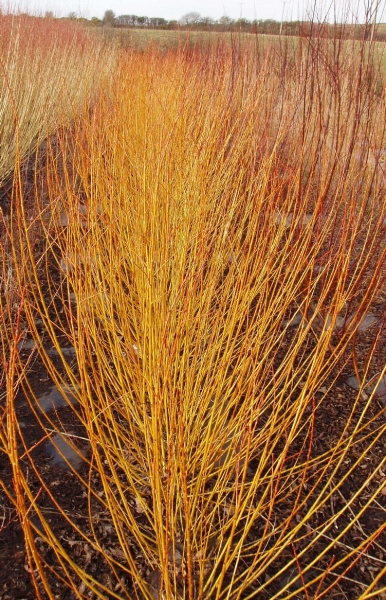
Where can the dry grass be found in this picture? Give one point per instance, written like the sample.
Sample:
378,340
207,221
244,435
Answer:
140,39
185,274
48,70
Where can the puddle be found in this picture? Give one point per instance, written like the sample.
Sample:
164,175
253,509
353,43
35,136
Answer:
295,321
232,258
228,452
287,220
340,322
60,450
377,384
65,218
327,322
68,352
27,344
367,322
279,219
37,523
306,219
352,382
56,398
298,319
319,268
65,265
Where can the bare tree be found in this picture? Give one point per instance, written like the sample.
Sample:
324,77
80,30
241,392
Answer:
225,21
191,18
109,18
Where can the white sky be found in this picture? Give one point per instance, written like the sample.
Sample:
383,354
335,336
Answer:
174,9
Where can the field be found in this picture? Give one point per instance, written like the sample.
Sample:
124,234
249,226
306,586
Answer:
140,39
192,316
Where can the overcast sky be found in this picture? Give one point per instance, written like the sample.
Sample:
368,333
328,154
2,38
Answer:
174,9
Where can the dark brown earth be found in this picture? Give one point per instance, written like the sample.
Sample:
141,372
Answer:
331,418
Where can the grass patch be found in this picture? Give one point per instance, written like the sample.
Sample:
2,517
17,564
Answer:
140,39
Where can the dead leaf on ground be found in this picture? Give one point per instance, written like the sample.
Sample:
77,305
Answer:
155,584
139,505
117,553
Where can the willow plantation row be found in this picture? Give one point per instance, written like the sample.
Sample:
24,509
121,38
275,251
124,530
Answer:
192,319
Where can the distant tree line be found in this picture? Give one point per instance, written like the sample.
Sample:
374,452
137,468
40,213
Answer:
193,21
